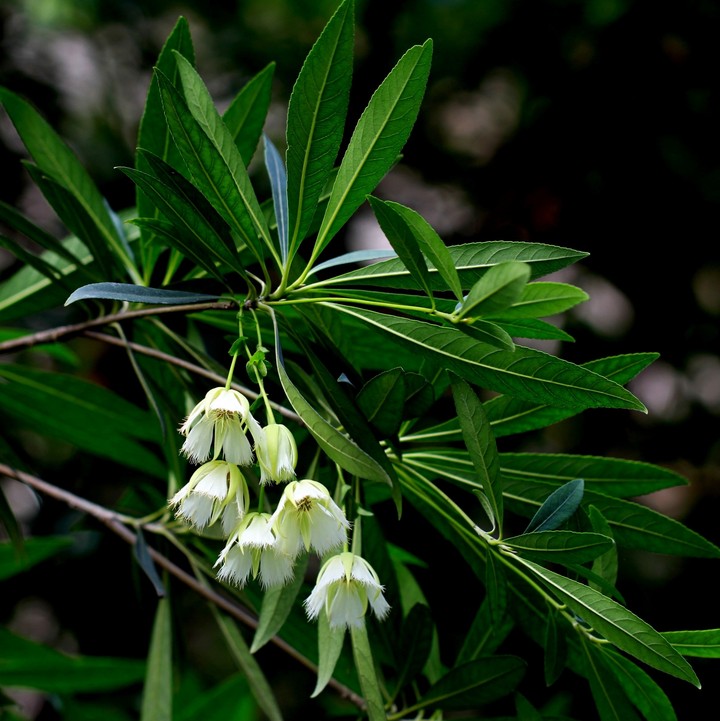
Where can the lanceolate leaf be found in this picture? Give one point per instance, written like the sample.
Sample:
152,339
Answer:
55,159
403,241
337,446
471,261
221,178
612,476
245,116
544,298
278,186
700,644
154,134
611,701
377,139
82,413
137,294
356,256
644,693
475,683
382,400
416,641
330,644
480,444
500,287
25,664
158,690
316,119
431,244
490,333
618,625
362,653
276,606
558,507
560,546
527,373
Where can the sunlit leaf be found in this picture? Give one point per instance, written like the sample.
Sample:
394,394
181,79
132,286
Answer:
544,298
499,288
704,643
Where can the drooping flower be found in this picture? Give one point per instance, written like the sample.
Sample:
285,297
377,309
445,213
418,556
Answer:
276,453
219,423
307,516
252,549
345,585
217,490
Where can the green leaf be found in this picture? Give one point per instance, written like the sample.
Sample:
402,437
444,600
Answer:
432,246
337,446
228,701
605,565
276,606
403,242
316,119
82,413
499,288
369,682
486,332
25,664
245,116
382,400
278,187
511,415
496,587
560,546
471,261
633,525
57,161
14,560
610,699
525,710
356,256
137,294
544,298
248,665
158,690
18,222
555,657
154,135
612,476
416,639
527,373
34,261
141,553
75,217
481,447
558,507
330,644
616,623
485,634
217,172
533,328
642,691
475,683
699,644
202,235
379,136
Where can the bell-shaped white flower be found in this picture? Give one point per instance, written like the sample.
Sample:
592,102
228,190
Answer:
216,490
345,585
219,424
307,516
252,550
276,454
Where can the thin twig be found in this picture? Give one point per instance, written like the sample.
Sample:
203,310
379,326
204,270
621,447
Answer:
52,335
116,523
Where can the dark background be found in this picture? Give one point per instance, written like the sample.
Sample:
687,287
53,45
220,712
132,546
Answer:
591,125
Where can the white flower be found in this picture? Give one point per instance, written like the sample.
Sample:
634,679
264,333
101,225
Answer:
344,587
216,489
307,517
276,453
253,549
219,424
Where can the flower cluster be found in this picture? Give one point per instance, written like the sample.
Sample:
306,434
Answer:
263,545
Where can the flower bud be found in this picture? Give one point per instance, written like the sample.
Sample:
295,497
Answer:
277,454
